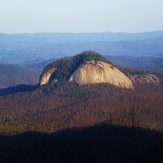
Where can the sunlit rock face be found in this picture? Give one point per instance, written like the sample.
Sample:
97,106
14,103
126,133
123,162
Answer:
46,77
101,72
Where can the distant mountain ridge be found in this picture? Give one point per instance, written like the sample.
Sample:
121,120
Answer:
16,48
137,48
46,38
144,63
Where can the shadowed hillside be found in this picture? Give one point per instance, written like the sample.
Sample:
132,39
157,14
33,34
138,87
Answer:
17,89
102,142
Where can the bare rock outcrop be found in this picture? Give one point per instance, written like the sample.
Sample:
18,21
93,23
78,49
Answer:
101,72
45,78
146,78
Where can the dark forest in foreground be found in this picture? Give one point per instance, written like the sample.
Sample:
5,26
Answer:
102,142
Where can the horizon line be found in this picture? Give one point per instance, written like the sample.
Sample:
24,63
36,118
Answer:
79,32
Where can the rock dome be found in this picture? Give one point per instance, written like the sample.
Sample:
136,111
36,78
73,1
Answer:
85,68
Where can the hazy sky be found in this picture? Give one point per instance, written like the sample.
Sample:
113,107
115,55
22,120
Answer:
75,16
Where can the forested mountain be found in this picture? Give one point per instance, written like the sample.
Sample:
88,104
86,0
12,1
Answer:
65,67
11,75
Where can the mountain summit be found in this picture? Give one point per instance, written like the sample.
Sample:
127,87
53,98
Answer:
85,68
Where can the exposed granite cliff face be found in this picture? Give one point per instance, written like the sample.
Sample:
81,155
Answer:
45,78
101,72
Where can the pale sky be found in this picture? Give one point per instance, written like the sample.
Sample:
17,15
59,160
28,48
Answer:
76,16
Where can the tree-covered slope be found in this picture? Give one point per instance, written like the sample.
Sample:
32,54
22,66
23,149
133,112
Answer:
62,105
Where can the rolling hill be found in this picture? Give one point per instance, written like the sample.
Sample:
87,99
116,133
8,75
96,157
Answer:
11,75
